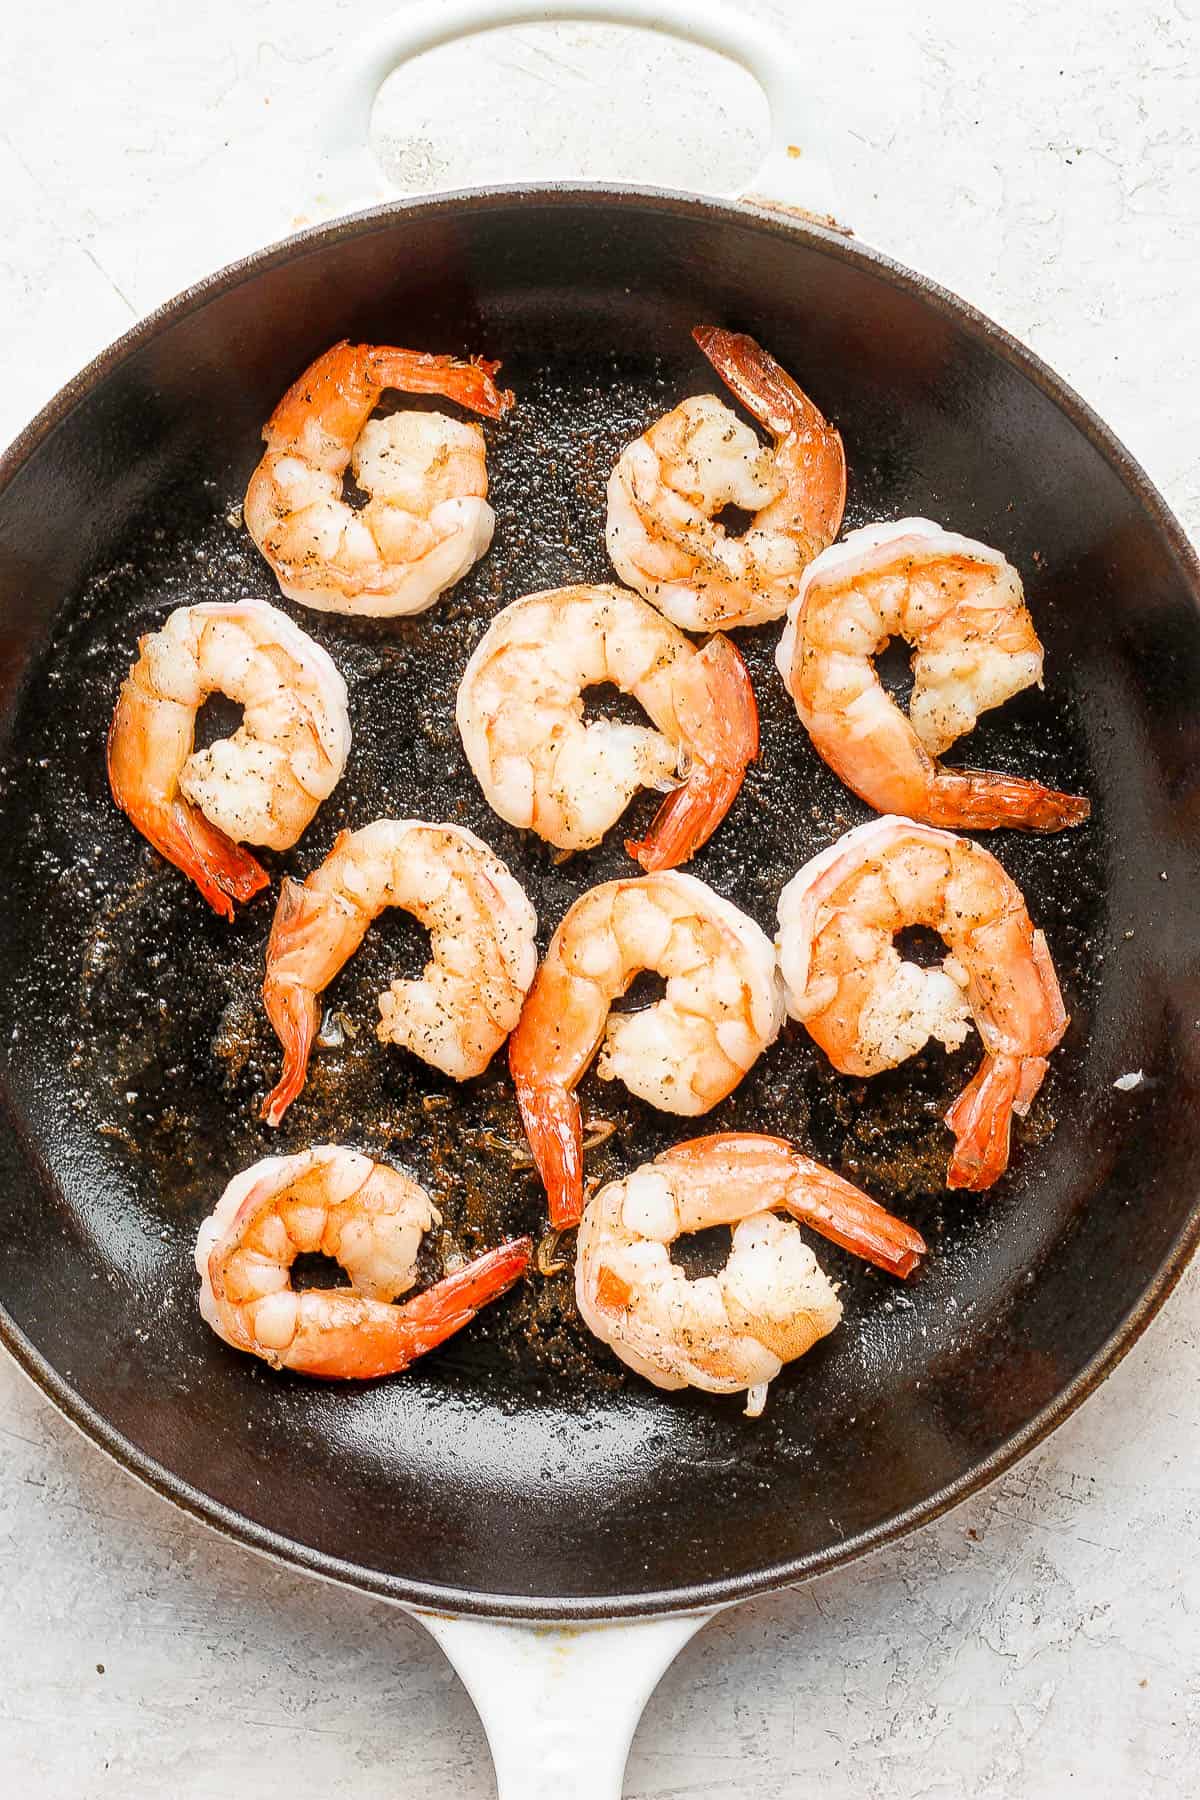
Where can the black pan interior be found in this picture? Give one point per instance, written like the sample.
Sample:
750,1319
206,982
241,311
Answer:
521,1469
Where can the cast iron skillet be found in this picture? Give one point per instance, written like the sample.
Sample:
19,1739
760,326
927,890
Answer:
521,1471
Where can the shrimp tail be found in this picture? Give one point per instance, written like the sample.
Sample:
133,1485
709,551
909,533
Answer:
343,386
737,1162
432,1317
718,716
846,1216
806,438
471,383
291,1004
553,1124
222,870
981,1117
292,1011
750,372
987,800
380,1340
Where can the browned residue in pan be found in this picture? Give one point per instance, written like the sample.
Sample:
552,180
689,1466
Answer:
171,1050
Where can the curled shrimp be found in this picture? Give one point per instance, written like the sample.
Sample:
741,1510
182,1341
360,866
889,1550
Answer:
962,608
770,1303
260,786
869,1010
368,1217
721,1008
482,947
544,767
426,519
664,494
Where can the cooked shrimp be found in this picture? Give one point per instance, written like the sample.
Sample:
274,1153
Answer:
260,786
664,494
426,519
771,1301
370,1219
544,767
962,608
868,1009
482,949
721,1008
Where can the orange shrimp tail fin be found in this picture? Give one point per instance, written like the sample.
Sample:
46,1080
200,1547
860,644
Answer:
981,1117
292,1011
987,800
222,870
453,1302
686,820
291,1006
768,391
372,1339
471,383
846,1216
719,717
759,382
553,1124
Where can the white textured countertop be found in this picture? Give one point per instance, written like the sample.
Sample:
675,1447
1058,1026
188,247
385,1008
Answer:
1042,1640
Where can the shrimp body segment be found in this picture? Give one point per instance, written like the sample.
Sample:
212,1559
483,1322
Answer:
367,1216
962,608
545,768
721,1009
768,1305
668,486
482,947
426,520
869,1009
263,784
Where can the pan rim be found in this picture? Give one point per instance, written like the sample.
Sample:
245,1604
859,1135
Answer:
777,222
541,1609
724,1590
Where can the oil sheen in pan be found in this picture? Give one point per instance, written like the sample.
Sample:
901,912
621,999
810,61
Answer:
170,1050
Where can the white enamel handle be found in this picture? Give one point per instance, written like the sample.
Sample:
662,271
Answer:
560,1704
311,159
794,172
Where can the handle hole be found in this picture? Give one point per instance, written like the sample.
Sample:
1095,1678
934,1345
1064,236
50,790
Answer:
569,101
